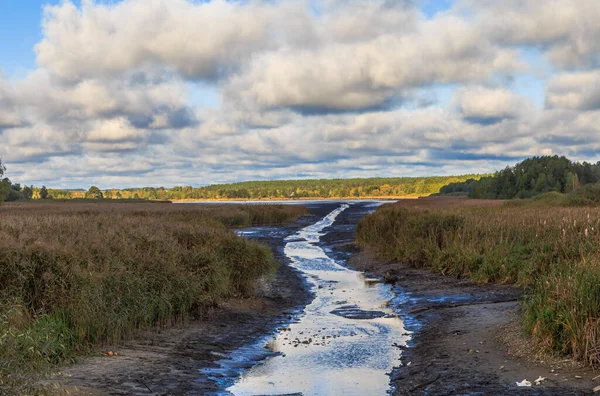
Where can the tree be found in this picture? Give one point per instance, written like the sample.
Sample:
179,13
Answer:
14,191
43,192
572,182
540,184
4,183
27,192
94,193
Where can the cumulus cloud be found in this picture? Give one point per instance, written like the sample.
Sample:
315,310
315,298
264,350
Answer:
328,88
566,29
37,143
199,39
368,74
376,18
485,105
9,114
131,96
574,91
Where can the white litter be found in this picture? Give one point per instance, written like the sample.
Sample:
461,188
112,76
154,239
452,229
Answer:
539,380
524,383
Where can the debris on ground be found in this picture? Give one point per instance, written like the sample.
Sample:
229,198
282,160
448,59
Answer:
539,380
524,383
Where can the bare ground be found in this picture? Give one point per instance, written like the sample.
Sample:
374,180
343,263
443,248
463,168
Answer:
168,362
174,361
467,338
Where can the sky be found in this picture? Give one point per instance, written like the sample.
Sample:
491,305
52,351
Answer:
136,93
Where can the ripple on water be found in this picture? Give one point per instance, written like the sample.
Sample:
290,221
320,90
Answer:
345,342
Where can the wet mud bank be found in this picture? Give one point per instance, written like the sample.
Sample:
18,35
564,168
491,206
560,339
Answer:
344,340
437,335
185,360
467,338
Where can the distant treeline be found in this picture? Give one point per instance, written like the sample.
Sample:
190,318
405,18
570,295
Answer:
279,189
533,176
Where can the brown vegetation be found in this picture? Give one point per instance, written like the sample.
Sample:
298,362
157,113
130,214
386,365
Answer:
551,251
74,276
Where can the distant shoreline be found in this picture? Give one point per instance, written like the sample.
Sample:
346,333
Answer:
295,199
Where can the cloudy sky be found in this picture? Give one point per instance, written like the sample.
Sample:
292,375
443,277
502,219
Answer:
169,92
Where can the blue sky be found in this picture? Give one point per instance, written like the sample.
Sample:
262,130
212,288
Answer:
166,92
20,30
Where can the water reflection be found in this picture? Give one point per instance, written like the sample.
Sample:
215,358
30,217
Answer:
347,340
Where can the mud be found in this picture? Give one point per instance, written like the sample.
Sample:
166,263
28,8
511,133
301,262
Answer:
182,361
343,342
467,338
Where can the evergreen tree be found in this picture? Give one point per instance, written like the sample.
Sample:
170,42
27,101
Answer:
43,192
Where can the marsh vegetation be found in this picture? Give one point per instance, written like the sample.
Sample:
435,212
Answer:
551,251
76,276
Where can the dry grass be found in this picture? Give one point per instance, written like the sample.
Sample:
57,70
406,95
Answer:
74,276
551,251
447,202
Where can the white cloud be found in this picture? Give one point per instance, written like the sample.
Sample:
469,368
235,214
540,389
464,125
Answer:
9,114
323,88
136,95
483,104
200,40
359,75
574,91
566,29
117,130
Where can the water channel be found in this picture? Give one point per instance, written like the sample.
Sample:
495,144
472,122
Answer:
347,340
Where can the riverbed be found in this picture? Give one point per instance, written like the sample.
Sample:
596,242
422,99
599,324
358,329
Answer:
346,341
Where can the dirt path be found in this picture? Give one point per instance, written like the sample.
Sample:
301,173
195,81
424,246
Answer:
175,361
467,338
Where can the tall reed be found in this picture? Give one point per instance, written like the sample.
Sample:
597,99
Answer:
554,252
75,276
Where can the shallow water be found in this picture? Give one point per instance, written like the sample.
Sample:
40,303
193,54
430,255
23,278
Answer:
347,340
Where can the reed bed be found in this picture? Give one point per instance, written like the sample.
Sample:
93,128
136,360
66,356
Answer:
76,276
553,252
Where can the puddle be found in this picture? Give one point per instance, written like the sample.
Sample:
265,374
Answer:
347,340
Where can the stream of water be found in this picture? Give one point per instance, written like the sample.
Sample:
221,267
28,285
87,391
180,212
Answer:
347,340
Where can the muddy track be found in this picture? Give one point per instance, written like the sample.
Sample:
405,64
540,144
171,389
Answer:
343,343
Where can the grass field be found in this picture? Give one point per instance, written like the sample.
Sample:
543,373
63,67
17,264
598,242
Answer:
551,251
74,276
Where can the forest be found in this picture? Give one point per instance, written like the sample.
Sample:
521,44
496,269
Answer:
526,179
277,189
529,178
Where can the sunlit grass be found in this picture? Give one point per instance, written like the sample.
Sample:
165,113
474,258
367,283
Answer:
554,252
76,276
